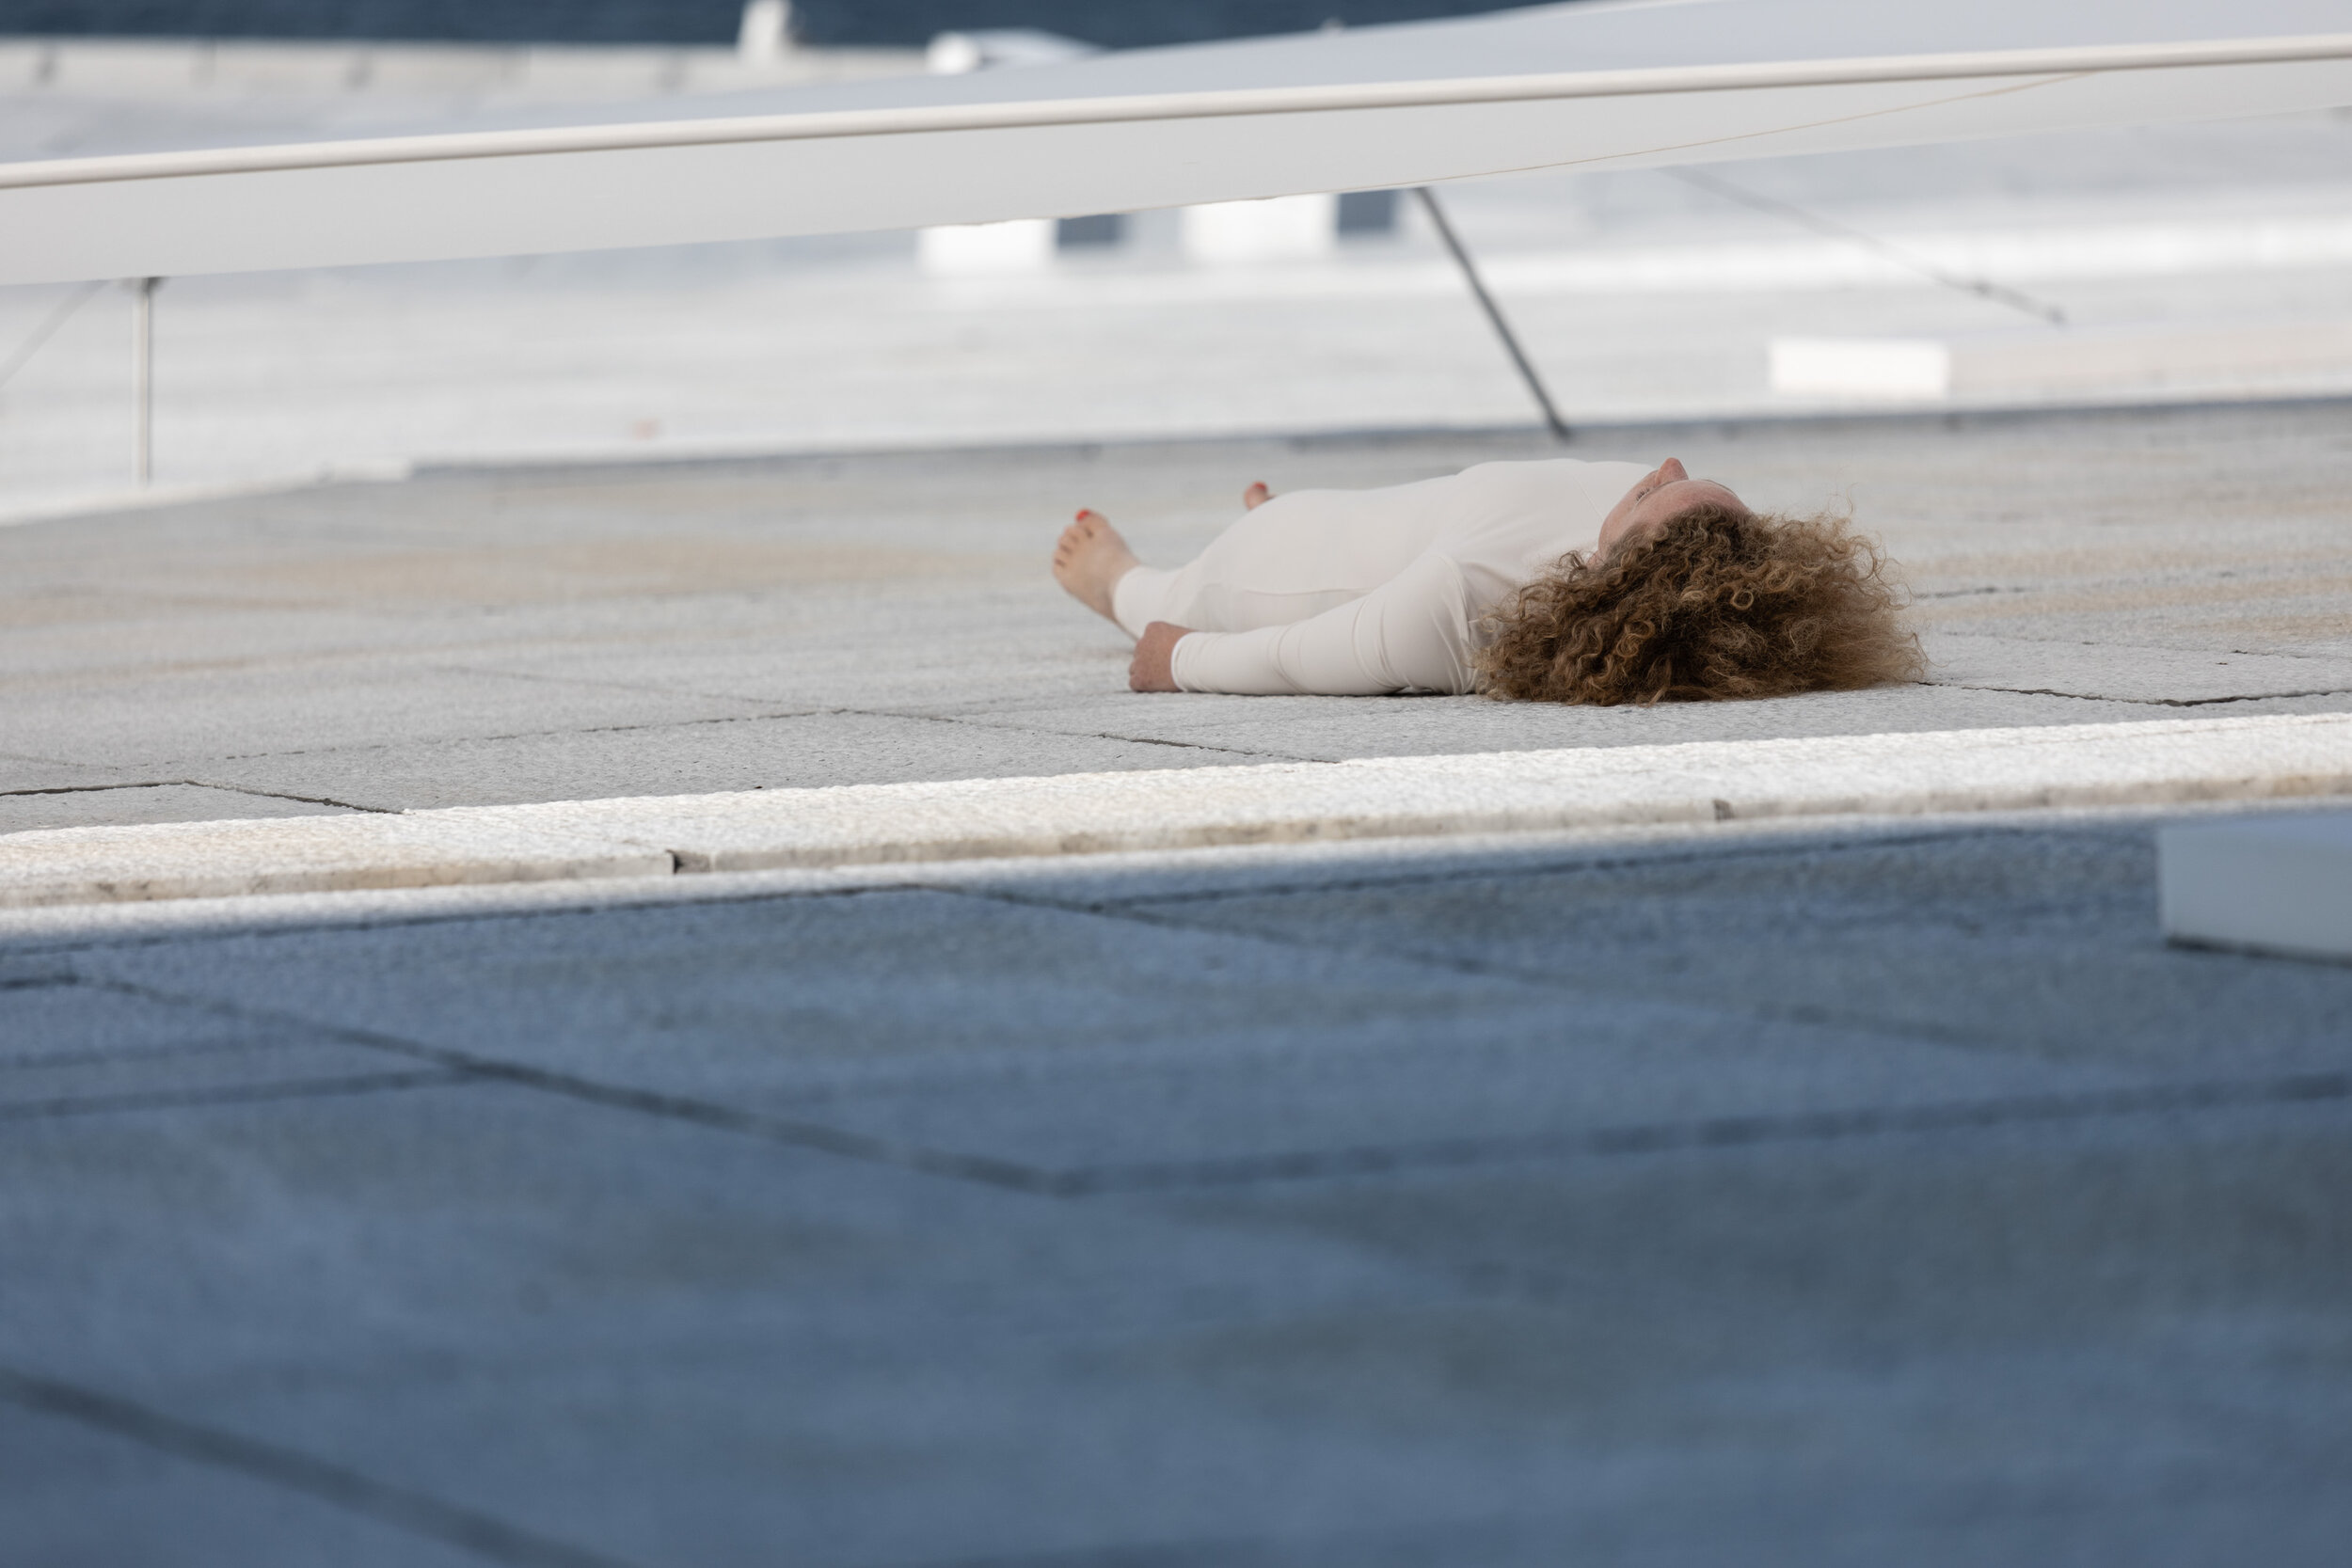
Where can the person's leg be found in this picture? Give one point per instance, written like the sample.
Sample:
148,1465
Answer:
1094,566
1144,594
1285,559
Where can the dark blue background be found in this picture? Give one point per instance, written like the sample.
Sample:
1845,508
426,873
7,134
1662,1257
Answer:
1110,23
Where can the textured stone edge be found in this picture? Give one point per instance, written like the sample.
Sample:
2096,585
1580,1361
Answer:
1697,784
301,854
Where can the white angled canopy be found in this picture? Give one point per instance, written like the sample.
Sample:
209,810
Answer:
1599,85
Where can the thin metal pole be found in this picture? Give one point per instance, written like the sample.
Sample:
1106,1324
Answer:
1983,287
57,318
1494,312
143,378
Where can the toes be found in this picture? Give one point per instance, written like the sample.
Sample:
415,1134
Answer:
1087,532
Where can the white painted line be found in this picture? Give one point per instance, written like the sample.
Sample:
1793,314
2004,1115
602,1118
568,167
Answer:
2166,763
2271,885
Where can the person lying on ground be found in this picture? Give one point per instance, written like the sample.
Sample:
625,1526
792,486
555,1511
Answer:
1479,581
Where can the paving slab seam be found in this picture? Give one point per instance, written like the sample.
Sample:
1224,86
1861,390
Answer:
1095,734
1439,1540
403,1508
760,716
811,1133
2141,702
1718,1133
538,734
197,783
1764,1013
342,1086
1693,1135
2163,762
398,909
285,795
759,709
817,1137
94,789
1685,849
139,1055
796,1132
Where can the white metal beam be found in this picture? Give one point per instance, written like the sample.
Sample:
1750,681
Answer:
1052,142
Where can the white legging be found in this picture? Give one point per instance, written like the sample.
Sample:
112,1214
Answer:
1349,593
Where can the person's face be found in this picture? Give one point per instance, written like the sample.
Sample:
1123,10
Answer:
1657,499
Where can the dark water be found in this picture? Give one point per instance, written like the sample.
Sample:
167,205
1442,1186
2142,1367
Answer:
1109,22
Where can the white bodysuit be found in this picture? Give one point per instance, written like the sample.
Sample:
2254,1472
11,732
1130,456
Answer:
1356,593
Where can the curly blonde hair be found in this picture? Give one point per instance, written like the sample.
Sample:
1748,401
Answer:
1719,603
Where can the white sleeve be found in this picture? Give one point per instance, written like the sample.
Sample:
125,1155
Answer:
1412,633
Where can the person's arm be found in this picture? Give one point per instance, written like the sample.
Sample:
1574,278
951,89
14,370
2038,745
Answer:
1149,670
1412,633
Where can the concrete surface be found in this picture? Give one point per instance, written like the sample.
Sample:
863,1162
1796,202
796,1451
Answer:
2279,758
492,637
1843,1198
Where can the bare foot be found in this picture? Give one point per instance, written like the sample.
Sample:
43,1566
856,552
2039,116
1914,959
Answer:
1090,560
1255,496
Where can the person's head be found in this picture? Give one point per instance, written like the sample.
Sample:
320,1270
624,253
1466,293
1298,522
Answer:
1656,498
1707,602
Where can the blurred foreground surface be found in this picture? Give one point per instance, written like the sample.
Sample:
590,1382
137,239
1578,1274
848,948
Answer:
1845,1198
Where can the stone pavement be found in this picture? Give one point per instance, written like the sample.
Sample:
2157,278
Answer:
1837,1193
1840,1198
484,638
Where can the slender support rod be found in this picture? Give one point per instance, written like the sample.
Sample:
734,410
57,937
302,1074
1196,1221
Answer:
1983,287
1494,312
57,318
143,378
